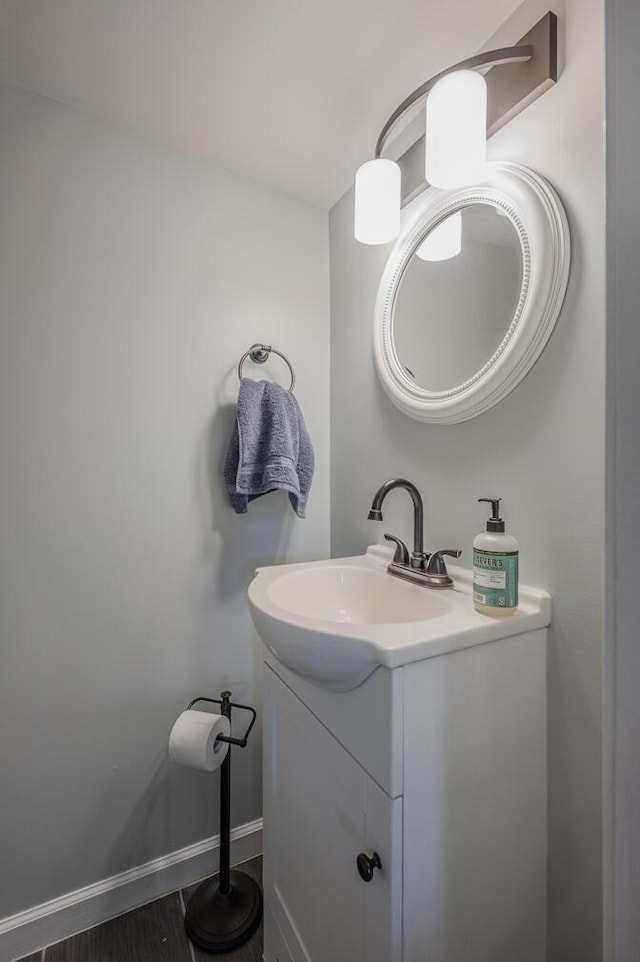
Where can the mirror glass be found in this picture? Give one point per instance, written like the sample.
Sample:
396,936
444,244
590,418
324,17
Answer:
451,314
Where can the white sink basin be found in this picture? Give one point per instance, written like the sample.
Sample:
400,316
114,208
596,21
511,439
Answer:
352,593
334,622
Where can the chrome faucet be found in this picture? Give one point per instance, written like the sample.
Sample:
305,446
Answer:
419,567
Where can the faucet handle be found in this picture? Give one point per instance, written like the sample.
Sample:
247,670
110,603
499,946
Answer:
437,565
401,555
436,573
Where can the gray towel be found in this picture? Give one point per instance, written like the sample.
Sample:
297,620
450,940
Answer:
270,448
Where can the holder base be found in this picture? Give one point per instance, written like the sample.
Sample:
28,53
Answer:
221,923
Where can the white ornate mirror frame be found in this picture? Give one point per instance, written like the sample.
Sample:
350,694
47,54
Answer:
539,219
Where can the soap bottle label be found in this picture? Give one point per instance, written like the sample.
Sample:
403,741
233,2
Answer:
495,578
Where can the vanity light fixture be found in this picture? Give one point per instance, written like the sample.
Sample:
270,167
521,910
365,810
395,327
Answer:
456,130
466,103
377,212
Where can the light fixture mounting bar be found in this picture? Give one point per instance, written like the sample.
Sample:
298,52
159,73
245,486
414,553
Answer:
515,84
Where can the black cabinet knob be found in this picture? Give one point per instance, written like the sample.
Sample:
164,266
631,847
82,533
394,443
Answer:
367,865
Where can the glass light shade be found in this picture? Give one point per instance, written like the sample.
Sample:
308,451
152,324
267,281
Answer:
444,241
456,138
377,204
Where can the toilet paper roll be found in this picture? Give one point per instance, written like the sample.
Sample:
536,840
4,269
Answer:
193,740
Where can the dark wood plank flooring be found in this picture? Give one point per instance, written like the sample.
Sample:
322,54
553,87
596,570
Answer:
152,933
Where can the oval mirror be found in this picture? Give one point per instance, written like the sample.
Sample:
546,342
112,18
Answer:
470,294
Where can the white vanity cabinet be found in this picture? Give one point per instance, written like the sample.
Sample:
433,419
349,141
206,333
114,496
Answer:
322,809
439,767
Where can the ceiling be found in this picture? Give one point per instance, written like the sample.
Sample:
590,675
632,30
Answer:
288,92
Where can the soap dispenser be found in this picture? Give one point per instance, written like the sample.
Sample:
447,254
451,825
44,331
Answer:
495,567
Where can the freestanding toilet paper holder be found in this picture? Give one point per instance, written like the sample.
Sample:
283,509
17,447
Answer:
225,911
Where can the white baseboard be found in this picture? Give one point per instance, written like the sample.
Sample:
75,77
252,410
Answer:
28,931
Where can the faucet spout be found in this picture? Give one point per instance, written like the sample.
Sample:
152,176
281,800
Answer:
375,514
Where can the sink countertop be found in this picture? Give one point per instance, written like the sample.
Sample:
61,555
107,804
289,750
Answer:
279,606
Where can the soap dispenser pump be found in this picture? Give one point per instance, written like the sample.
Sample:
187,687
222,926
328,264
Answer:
495,567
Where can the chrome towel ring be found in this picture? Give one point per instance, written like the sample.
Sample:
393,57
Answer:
259,353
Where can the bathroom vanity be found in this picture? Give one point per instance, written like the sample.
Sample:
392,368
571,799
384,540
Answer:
404,811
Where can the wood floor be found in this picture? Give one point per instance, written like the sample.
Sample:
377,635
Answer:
152,933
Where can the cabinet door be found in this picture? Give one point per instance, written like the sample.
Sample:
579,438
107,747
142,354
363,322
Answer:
321,810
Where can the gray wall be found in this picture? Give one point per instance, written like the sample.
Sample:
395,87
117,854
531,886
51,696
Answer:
131,280
541,450
622,833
